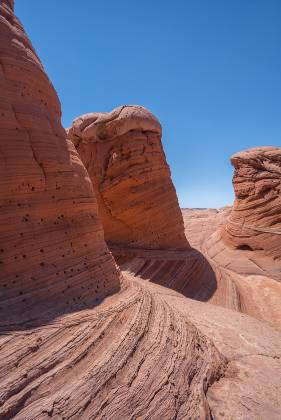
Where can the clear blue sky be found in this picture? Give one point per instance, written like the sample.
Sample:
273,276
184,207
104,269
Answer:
210,70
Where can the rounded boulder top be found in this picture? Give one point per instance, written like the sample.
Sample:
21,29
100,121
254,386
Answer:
103,126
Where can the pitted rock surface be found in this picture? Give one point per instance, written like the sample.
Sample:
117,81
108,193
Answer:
142,352
52,251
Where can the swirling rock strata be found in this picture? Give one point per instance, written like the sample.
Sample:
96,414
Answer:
123,154
144,352
52,251
255,220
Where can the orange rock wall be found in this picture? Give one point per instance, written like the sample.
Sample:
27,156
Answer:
52,247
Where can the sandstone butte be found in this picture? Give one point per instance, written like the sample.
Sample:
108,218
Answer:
79,338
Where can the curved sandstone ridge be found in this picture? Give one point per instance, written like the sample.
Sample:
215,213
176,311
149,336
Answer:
186,271
123,154
255,220
144,352
52,250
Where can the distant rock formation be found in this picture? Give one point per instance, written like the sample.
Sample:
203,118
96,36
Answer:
144,352
255,220
52,250
123,154
210,272
243,244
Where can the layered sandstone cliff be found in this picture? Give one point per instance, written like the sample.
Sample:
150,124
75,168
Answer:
144,352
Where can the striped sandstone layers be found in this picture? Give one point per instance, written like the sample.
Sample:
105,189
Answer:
137,202
144,352
52,250
123,154
243,244
204,273
255,220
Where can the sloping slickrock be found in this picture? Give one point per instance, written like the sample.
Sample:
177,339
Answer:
252,233
123,154
52,249
249,278
144,352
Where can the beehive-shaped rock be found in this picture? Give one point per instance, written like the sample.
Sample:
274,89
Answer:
52,249
123,154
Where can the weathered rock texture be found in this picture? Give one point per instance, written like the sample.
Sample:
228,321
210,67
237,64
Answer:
123,154
243,244
214,271
255,220
52,250
144,352
137,201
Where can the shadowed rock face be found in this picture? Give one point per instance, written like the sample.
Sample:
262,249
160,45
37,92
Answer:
123,154
144,352
52,250
255,220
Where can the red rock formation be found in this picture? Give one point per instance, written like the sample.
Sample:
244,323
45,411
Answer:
137,201
200,274
123,154
51,242
255,220
144,352
243,245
